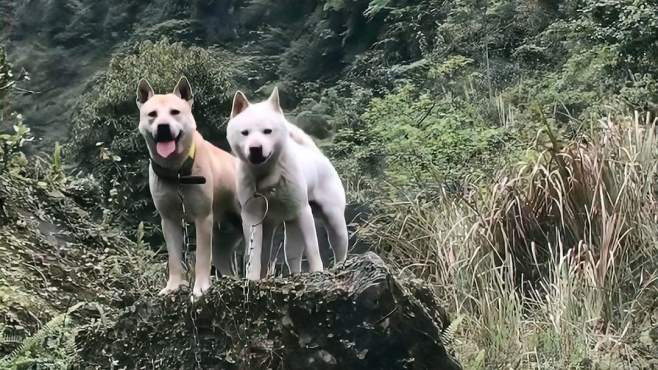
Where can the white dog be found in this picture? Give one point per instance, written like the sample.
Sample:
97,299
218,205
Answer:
279,162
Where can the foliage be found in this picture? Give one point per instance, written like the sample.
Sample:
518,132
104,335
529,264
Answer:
52,256
590,196
11,156
552,267
376,6
482,69
412,138
52,345
629,25
107,142
56,174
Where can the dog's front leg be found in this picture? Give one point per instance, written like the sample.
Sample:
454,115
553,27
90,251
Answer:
204,227
302,237
174,240
266,258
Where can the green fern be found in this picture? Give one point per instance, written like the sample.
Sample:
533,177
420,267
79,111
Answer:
9,339
57,326
448,333
376,6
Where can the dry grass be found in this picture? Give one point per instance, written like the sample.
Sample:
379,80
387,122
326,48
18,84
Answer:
553,267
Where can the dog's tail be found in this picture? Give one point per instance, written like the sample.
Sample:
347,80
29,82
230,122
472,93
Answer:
300,137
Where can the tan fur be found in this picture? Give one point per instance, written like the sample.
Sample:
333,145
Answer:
205,204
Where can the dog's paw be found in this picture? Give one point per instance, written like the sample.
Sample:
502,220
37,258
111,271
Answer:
253,275
168,290
172,286
200,287
195,298
196,295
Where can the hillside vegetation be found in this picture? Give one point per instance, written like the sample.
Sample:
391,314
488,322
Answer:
506,152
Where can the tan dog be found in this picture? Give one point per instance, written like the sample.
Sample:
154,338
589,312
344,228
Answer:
178,149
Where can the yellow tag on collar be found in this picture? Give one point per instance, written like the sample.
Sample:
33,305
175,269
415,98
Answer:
192,151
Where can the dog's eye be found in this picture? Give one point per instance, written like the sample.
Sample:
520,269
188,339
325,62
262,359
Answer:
244,132
174,112
267,131
153,114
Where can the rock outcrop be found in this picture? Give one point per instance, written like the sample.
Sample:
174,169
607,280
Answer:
356,316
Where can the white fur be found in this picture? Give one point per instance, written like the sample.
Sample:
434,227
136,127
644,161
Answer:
294,174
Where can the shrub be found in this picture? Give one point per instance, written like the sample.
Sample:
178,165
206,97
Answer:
12,158
552,267
583,85
105,137
413,137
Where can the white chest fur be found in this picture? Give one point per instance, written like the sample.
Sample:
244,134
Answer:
167,198
284,200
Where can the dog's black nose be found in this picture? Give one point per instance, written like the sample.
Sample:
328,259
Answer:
163,133
255,151
256,154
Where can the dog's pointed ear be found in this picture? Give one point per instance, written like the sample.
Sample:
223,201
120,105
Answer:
183,90
144,92
240,103
274,99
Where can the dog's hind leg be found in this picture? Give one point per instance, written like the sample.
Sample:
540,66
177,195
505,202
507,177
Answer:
266,249
294,247
302,238
333,218
330,199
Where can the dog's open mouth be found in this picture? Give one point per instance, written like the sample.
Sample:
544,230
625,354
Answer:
165,143
258,159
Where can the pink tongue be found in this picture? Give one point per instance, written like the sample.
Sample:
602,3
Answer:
165,148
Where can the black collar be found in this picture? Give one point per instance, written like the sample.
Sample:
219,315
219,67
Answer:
183,175
173,175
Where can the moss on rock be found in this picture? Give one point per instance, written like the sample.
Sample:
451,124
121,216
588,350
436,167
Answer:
356,316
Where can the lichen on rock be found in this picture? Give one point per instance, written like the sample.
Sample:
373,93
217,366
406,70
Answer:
358,315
